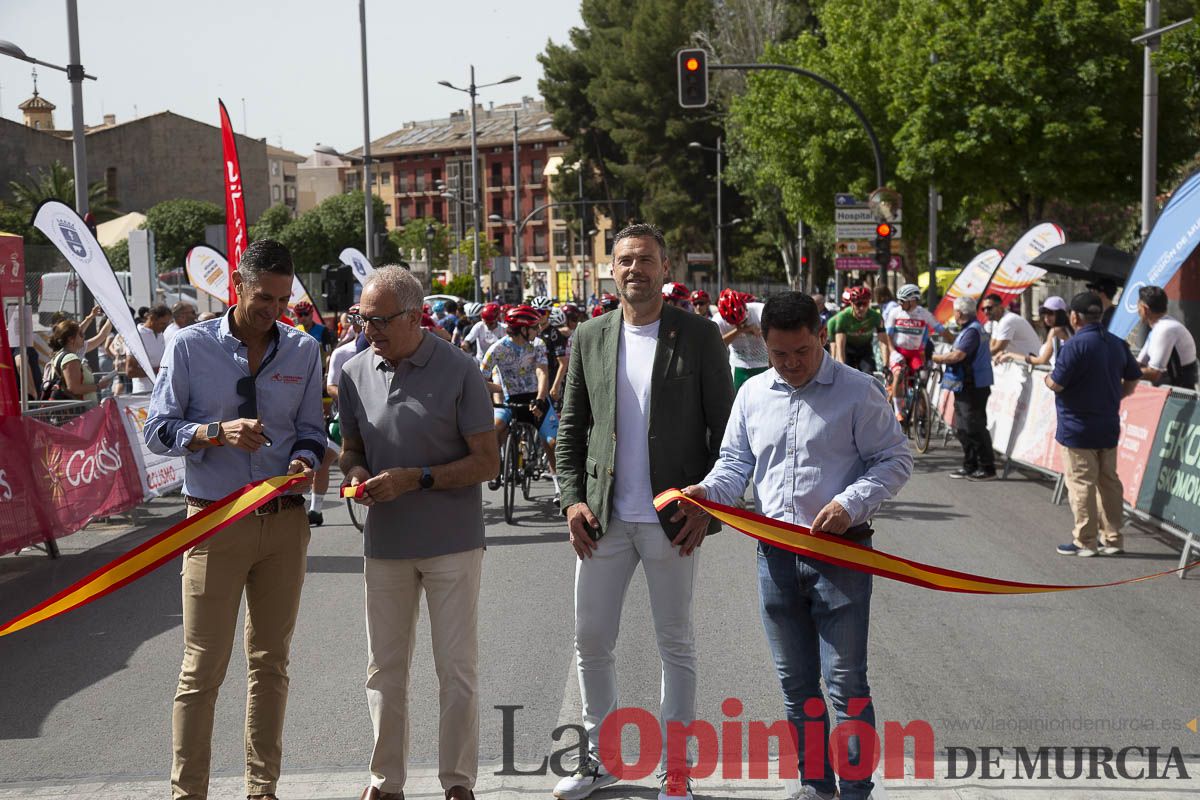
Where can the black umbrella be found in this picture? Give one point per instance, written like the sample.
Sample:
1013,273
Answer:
1088,261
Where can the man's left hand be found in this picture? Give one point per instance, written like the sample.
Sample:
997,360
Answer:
833,518
392,483
299,466
696,526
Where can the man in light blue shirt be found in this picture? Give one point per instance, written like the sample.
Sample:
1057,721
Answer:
824,451
240,398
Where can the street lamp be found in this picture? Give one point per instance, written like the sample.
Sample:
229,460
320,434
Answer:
472,90
430,235
719,151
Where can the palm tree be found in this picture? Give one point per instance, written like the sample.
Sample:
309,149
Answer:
59,184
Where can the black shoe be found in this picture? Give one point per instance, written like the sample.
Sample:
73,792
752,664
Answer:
961,473
494,483
316,518
983,475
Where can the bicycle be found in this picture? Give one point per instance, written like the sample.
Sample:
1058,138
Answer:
519,462
917,421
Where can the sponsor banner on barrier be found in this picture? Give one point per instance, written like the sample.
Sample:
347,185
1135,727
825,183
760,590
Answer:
87,467
159,474
1140,415
1171,490
1035,442
24,510
1007,404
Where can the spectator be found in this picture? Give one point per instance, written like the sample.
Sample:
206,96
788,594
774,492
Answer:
884,299
969,376
68,375
1106,290
182,315
1009,332
1058,330
151,331
449,322
1094,371
417,434
207,315
1169,355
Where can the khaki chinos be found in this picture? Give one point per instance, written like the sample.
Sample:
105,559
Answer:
265,557
1096,495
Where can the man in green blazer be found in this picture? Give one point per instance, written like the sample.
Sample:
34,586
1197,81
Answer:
648,393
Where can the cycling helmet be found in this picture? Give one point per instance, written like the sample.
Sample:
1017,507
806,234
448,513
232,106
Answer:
700,296
845,297
490,313
610,302
859,295
471,310
522,317
439,306
558,317
428,322
572,311
303,307
542,303
909,291
732,307
675,291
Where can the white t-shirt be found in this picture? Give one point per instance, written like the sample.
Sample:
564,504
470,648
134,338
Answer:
747,352
1167,335
483,338
169,333
633,498
338,359
1021,337
156,348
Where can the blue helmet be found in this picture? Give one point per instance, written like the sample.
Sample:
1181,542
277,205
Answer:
439,306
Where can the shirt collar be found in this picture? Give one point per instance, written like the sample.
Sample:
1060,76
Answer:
232,343
825,375
419,358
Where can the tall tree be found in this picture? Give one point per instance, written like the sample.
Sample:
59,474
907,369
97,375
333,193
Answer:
177,225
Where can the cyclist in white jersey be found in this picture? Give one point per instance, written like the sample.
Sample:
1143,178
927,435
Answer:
908,328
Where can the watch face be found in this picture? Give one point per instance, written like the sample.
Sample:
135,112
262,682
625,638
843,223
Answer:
426,480
213,431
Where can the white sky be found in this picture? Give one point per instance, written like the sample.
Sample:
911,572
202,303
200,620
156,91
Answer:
299,68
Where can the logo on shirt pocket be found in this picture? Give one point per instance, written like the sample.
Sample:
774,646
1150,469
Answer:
293,379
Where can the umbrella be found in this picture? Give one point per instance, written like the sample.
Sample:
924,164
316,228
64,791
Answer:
1088,261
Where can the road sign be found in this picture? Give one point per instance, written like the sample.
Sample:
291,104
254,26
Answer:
861,230
848,264
854,214
896,262
861,247
700,258
845,199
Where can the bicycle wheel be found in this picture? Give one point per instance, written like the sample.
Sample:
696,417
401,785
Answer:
512,455
358,514
922,419
530,463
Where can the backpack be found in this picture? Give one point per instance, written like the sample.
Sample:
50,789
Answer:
56,387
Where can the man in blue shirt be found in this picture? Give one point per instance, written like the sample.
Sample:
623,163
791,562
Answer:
969,376
820,442
239,398
1093,372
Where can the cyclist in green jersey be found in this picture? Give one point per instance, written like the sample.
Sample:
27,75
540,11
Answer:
853,329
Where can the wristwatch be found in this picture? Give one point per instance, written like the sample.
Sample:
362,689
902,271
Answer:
426,481
212,433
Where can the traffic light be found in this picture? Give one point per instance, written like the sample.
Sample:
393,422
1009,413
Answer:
883,244
337,286
693,78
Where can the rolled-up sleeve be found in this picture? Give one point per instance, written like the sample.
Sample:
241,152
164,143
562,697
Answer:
310,418
726,481
168,431
885,455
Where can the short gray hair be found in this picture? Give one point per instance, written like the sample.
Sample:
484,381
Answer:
965,305
399,281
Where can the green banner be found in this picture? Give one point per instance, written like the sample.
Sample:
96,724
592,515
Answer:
1171,487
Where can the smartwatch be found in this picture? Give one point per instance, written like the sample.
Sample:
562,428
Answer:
212,433
426,481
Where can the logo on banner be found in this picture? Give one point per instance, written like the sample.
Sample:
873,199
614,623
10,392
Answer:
71,238
1129,296
211,271
359,267
6,492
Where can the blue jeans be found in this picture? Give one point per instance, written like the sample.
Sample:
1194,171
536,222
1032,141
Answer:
816,617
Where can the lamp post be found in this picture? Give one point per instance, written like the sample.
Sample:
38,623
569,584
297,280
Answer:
430,235
368,186
472,90
718,150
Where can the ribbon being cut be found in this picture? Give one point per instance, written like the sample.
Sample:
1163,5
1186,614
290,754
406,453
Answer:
834,549
157,551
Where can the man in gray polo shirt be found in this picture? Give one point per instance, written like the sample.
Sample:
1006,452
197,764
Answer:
417,436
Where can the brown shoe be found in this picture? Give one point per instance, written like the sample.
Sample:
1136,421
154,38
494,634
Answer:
371,793
459,793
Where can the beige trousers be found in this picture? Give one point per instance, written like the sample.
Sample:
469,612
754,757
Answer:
1095,495
265,557
393,599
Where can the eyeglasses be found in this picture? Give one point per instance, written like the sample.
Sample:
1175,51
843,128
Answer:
378,322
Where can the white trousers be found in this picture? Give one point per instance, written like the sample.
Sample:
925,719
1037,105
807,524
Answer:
600,585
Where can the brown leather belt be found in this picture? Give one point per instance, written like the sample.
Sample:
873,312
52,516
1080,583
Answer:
272,506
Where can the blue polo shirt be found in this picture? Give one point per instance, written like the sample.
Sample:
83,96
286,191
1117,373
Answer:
1091,367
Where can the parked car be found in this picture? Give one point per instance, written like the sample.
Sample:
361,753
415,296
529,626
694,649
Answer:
59,291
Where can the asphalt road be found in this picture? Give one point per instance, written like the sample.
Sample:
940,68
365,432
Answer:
88,695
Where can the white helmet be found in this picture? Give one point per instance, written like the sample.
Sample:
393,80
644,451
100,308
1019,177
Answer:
473,310
541,302
909,291
558,317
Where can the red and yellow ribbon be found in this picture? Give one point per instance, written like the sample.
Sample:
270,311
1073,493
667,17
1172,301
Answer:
155,552
834,549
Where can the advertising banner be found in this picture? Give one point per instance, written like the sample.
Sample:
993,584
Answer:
10,396
69,233
25,514
158,474
1140,414
1015,275
87,467
1175,234
12,265
237,234
1035,441
357,262
969,282
1007,404
1171,490
208,271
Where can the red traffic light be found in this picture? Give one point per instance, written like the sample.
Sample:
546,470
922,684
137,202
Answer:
883,230
692,64
692,69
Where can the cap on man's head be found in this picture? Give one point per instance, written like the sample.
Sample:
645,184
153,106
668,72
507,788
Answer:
1087,304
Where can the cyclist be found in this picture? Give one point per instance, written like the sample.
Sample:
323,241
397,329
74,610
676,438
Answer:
608,302
739,321
677,295
466,321
852,332
908,330
702,303
557,352
518,364
484,333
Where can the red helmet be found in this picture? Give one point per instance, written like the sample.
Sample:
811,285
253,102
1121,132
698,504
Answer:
522,317
675,291
857,295
302,308
732,307
427,321
572,311
610,302
700,296
490,313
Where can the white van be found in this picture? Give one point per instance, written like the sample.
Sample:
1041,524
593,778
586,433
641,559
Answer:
60,292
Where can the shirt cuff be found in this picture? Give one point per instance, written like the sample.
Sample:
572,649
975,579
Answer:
183,437
854,506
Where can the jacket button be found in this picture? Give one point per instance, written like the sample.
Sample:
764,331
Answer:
610,471
614,436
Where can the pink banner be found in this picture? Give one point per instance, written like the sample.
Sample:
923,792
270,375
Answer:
1140,413
25,515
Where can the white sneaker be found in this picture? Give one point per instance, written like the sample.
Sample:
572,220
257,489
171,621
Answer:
674,785
810,793
588,778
